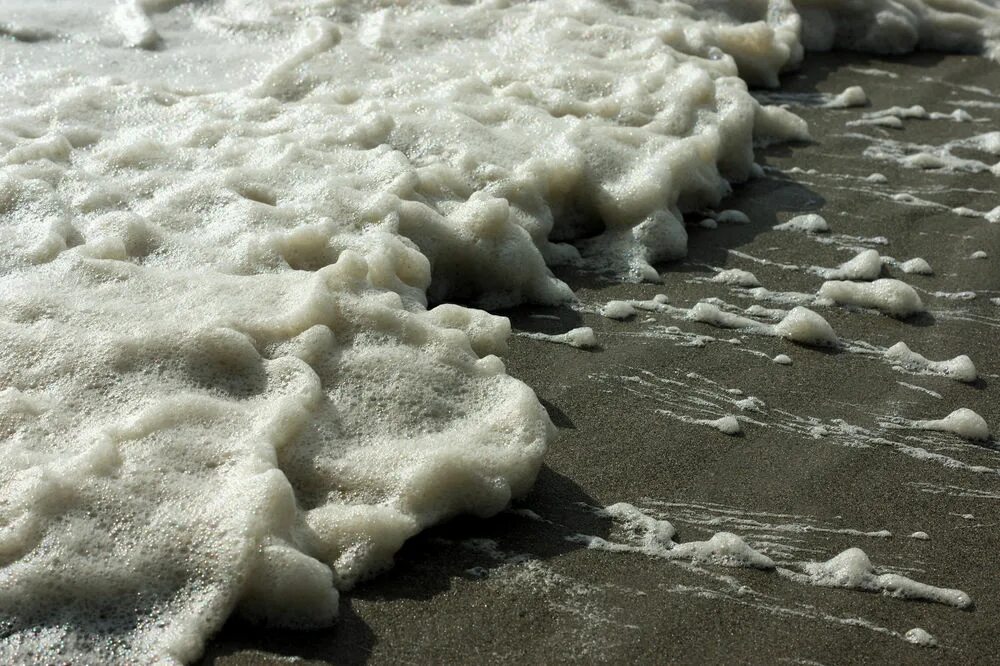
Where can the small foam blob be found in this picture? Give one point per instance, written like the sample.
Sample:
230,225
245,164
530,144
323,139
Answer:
920,637
736,277
581,338
960,368
979,254
866,265
733,216
962,422
804,326
618,310
782,359
886,295
809,223
850,97
916,266
853,569
727,425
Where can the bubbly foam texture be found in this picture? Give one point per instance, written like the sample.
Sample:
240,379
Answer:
221,227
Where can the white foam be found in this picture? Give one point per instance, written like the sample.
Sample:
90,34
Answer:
853,570
886,295
805,326
916,266
617,310
920,637
961,367
866,265
581,338
850,97
809,223
728,425
963,422
736,277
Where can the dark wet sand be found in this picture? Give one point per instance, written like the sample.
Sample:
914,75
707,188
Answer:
566,602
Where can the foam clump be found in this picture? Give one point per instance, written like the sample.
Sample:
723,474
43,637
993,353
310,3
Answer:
885,295
916,266
581,338
727,425
850,97
962,422
809,223
920,637
642,533
960,368
724,549
736,277
866,265
617,310
853,570
804,326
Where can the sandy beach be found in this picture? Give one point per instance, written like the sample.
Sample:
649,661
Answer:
520,588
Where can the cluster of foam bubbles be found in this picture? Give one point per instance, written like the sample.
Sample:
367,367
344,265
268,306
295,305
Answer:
221,224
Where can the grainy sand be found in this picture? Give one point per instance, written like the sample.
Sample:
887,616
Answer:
447,601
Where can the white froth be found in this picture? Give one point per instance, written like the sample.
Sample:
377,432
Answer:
886,295
853,570
727,425
809,223
850,97
920,637
961,367
782,359
581,338
805,326
866,265
644,534
617,310
736,277
963,422
916,266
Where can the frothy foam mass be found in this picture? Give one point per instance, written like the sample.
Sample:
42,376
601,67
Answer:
222,224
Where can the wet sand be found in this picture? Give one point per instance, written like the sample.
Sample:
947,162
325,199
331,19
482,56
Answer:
529,595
